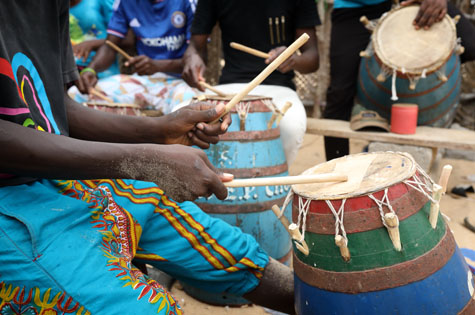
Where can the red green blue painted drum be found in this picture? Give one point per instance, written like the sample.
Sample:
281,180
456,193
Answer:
255,151
425,57
428,276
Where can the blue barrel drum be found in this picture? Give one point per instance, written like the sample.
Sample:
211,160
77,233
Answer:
249,149
405,65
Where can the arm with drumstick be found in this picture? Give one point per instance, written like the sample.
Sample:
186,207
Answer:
305,62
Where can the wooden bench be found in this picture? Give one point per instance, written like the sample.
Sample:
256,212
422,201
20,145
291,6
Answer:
425,136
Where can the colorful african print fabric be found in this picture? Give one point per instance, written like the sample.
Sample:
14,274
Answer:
159,91
67,248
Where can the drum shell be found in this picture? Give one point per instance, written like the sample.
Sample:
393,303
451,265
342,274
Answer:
437,100
429,275
120,110
255,152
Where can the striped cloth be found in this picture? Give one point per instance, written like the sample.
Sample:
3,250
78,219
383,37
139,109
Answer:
68,247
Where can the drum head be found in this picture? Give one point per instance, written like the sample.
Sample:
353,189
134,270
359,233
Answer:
400,46
367,173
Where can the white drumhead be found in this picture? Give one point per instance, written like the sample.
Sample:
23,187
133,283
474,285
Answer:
367,173
400,46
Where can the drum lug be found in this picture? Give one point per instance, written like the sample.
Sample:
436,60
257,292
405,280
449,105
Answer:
456,18
342,244
442,77
392,224
370,25
299,241
459,50
364,54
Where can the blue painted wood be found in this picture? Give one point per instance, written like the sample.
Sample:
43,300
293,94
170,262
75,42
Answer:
445,292
263,225
377,95
246,154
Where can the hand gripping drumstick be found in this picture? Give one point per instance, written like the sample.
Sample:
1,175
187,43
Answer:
249,50
286,180
438,191
212,88
265,73
118,49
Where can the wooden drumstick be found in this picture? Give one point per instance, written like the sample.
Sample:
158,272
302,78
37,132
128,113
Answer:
95,92
265,73
212,88
392,222
286,180
297,237
249,50
118,49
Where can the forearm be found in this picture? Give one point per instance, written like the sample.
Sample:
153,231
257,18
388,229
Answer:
32,153
307,62
169,65
105,55
93,125
197,47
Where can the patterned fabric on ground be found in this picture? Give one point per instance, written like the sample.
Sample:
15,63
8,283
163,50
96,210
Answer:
67,247
158,91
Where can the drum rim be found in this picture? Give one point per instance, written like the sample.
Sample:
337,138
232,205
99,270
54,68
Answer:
247,98
416,71
358,192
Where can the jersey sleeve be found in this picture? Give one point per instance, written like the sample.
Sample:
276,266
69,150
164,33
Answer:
307,15
118,24
106,10
205,17
189,20
68,64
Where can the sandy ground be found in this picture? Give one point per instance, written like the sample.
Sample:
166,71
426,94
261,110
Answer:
311,154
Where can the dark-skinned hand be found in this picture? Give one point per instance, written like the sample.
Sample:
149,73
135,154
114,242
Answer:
83,50
86,81
430,12
287,65
191,125
193,71
184,173
143,65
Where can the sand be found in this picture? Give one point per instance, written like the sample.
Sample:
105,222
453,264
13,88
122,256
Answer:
310,155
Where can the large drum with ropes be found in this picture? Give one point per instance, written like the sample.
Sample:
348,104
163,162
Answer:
251,148
405,65
376,244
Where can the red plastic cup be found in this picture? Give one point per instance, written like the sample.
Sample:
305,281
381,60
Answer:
404,118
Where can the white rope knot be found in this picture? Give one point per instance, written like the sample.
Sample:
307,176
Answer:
303,211
243,109
393,87
383,202
339,219
287,200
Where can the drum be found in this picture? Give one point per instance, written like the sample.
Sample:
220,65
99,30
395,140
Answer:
371,246
405,65
249,149
116,108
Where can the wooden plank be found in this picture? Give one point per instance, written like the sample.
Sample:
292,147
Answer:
425,136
